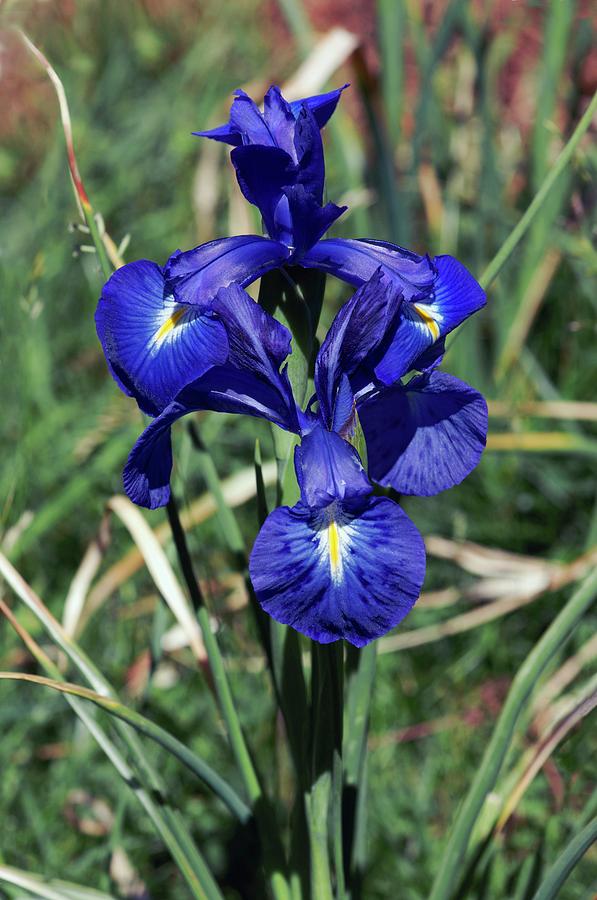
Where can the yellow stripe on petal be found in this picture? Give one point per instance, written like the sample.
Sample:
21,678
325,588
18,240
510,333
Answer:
169,324
427,319
334,549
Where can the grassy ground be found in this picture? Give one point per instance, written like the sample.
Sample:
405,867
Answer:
470,112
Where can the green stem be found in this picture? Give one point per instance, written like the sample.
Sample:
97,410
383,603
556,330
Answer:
274,857
549,888
516,235
102,256
360,668
319,794
336,660
551,641
280,645
216,662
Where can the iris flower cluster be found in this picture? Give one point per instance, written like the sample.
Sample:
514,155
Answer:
344,562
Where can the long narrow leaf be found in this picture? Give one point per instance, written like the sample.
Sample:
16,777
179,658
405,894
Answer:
559,872
189,759
557,633
516,235
50,889
166,819
160,570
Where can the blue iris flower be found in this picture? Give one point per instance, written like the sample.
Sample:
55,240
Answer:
342,563
156,324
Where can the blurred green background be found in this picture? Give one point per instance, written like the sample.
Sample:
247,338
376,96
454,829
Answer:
454,116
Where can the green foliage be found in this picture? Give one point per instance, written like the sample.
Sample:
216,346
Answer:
139,79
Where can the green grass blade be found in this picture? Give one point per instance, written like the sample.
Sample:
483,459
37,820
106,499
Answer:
166,819
145,726
559,630
559,872
392,22
516,235
556,46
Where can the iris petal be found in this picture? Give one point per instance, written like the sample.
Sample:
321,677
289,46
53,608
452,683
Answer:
356,261
243,126
357,330
328,469
346,572
321,105
154,346
262,173
258,343
247,120
309,220
309,154
195,276
456,294
427,437
146,476
280,120
222,389
440,294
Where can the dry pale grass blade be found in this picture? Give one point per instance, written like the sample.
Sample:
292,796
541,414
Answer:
160,570
484,561
125,876
536,757
431,194
206,190
326,57
540,442
12,534
103,245
527,311
49,889
88,568
237,489
31,600
439,599
550,409
559,681
80,193
515,587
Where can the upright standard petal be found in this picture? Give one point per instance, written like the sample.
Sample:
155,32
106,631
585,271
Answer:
426,437
263,173
245,127
309,220
194,277
321,105
358,330
440,293
280,120
309,154
154,345
258,343
349,571
328,469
